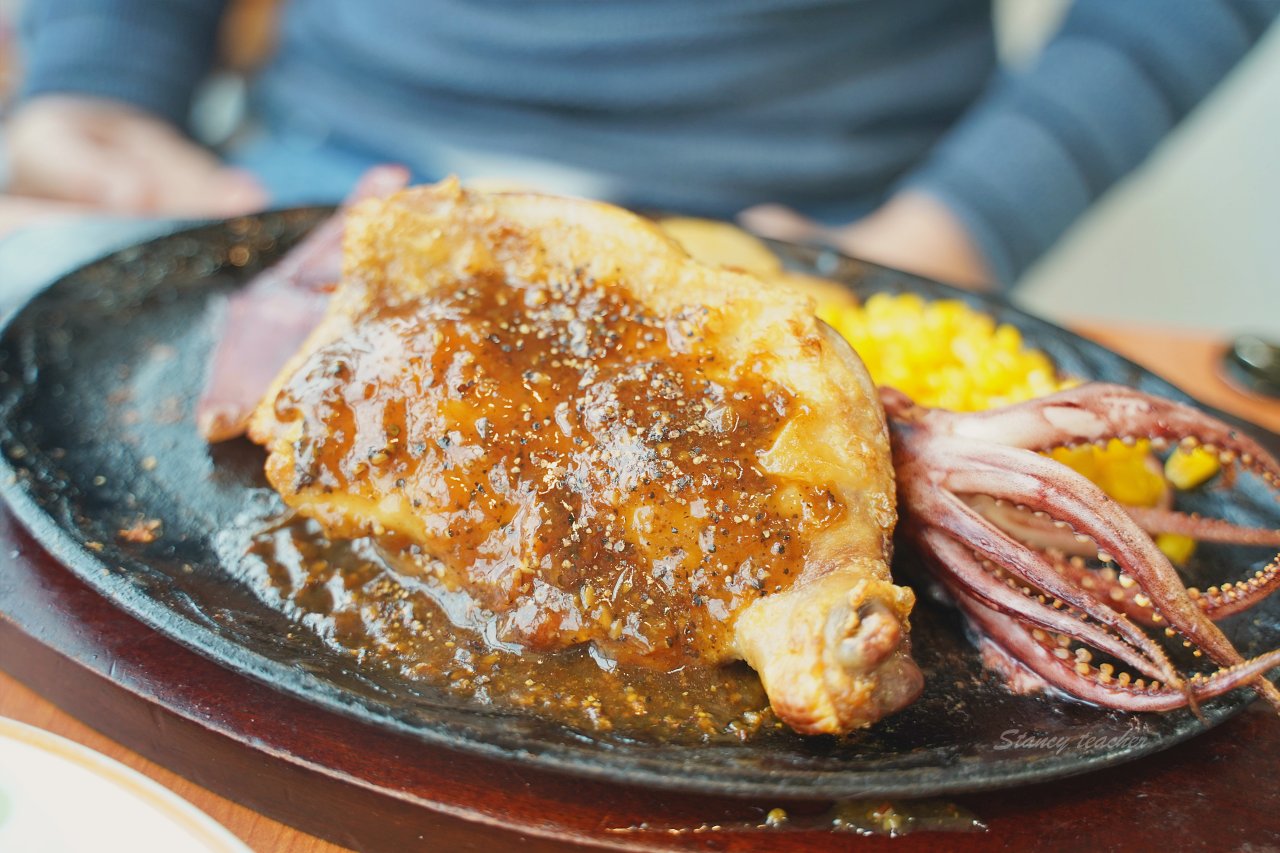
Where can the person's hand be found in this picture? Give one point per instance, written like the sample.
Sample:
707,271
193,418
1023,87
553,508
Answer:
18,212
109,156
912,231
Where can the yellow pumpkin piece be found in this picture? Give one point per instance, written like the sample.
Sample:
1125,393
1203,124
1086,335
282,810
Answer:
1176,547
1187,469
720,244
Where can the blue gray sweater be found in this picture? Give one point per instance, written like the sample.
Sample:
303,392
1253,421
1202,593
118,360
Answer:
705,105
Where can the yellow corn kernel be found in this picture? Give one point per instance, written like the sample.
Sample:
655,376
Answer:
1176,547
1187,469
942,353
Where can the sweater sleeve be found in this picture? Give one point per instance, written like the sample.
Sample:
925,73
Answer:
1041,145
148,53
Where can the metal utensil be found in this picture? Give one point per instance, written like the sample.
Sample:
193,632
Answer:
1254,363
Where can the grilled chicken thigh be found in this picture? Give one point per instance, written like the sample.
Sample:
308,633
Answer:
545,407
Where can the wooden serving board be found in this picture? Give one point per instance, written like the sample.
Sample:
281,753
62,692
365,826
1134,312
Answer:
369,790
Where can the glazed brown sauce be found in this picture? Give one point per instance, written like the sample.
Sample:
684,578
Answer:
357,602
551,467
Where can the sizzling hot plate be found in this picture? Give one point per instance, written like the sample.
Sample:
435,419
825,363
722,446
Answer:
98,378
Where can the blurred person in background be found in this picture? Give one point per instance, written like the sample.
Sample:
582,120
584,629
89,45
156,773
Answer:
887,120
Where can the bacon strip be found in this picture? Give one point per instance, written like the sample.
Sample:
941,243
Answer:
268,320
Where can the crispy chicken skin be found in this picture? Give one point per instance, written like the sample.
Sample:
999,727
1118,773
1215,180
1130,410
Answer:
546,410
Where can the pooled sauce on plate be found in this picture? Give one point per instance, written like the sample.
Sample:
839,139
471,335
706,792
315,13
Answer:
578,469
865,817
355,598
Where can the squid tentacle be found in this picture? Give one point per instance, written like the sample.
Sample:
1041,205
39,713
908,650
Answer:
949,514
1154,520
991,592
1219,602
1115,589
1040,532
1007,527
1097,684
1098,413
1041,483
1060,542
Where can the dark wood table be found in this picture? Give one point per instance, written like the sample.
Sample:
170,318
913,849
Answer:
262,763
